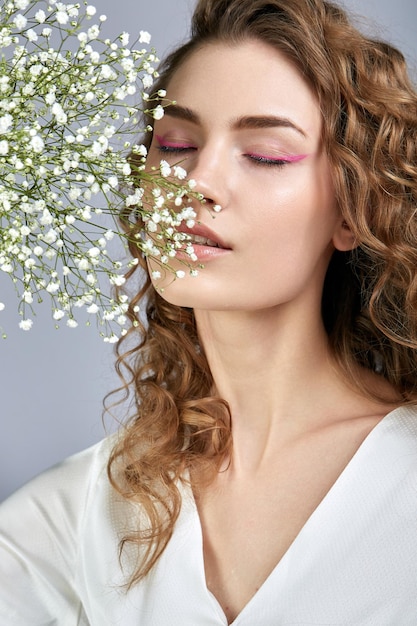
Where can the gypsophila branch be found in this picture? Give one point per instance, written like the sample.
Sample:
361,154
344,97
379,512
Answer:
67,128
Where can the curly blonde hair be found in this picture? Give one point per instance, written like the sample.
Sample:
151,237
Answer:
369,109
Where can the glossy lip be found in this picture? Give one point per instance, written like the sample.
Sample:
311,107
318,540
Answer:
204,253
204,231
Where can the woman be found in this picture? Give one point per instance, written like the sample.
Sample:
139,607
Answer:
268,475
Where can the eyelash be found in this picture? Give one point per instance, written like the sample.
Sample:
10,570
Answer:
255,159
265,161
174,149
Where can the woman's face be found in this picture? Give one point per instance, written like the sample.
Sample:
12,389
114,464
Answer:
247,128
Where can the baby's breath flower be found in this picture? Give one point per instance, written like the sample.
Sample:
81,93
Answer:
165,169
62,17
40,16
144,37
26,324
158,112
179,172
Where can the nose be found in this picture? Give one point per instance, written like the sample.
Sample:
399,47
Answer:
208,167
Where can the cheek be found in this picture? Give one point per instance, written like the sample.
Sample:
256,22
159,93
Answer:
295,221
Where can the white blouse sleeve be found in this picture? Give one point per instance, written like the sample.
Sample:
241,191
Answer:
39,530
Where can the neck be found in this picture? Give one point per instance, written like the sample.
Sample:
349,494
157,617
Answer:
263,359
277,373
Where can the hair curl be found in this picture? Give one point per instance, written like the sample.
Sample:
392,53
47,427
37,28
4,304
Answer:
369,109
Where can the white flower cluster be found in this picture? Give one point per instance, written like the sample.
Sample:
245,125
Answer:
66,122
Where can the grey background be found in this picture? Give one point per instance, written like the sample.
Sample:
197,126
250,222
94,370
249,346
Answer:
52,382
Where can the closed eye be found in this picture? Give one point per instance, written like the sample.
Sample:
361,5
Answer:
173,147
259,159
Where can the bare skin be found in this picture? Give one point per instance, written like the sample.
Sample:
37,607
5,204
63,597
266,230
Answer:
296,421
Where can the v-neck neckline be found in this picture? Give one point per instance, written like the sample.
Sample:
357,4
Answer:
342,478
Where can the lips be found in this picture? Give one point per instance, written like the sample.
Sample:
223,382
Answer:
201,235
203,241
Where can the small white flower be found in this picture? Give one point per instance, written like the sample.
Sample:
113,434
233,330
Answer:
71,323
2,306
83,264
58,314
37,143
93,309
20,21
95,57
217,208
31,35
180,274
91,279
40,16
124,38
62,17
164,168
179,172
73,10
47,32
144,37
93,32
112,339
5,123
26,324
50,97
74,193
52,287
156,275
94,252
51,236
27,297
117,280
113,181
158,112
90,10
147,82
59,113
46,218
4,147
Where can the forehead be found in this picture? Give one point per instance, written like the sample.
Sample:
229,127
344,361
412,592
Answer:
221,80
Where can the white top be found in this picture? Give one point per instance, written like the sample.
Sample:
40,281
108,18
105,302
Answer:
354,563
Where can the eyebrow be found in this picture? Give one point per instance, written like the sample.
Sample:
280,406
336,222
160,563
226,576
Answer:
242,123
